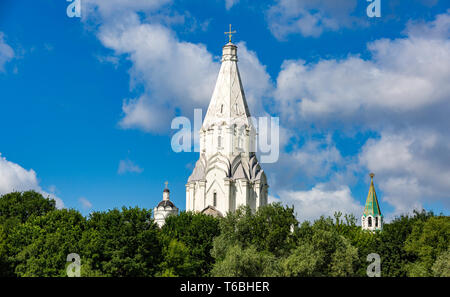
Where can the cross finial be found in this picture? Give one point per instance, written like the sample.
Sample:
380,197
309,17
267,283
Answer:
166,183
371,176
230,33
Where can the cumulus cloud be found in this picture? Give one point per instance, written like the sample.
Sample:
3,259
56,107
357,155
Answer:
102,11
141,113
439,28
322,200
309,18
413,168
401,93
13,177
403,75
176,75
6,52
257,82
316,158
127,166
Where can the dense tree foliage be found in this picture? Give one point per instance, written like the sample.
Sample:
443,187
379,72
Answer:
391,243
35,239
428,240
321,250
246,261
193,232
17,207
121,243
40,246
267,230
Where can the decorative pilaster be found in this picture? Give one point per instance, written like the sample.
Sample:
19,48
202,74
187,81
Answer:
257,189
202,192
227,204
192,196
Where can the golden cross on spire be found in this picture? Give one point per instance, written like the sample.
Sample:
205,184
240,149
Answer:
230,33
166,183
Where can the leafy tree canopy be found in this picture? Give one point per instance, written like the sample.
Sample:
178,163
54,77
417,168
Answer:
35,239
39,247
19,206
121,243
196,232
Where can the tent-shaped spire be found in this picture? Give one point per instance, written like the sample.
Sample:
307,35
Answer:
228,103
372,207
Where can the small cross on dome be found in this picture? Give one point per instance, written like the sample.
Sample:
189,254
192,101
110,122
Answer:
230,33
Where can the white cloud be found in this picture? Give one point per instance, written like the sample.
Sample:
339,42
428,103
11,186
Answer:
404,75
310,18
401,93
6,52
316,158
126,166
322,200
140,113
85,204
439,28
412,168
108,10
176,75
257,82
13,177
230,3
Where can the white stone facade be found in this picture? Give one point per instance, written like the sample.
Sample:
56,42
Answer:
227,173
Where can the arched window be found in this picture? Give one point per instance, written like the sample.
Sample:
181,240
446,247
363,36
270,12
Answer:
215,199
221,108
376,222
369,221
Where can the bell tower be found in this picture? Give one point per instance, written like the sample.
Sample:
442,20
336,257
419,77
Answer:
372,219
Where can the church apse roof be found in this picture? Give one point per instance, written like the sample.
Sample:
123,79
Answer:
166,203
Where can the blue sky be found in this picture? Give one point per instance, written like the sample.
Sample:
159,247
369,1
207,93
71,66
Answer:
86,103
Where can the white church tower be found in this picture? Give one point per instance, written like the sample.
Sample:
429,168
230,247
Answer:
227,173
164,208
